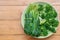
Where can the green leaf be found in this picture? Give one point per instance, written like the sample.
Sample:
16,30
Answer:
49,27
40,18
44,30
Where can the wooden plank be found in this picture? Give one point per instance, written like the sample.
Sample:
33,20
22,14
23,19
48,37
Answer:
10,27
26,2
11,12
24,37
15,12
15,27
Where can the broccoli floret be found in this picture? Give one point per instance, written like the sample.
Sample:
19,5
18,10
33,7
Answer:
40,18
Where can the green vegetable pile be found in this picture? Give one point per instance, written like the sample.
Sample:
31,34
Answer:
40,18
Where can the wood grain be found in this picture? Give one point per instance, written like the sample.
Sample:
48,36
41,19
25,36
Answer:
10,27
24,37
11,12
26,2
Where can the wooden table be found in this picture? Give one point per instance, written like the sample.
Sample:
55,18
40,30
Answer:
10,19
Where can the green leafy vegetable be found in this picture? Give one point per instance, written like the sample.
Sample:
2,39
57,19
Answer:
44,30
40,18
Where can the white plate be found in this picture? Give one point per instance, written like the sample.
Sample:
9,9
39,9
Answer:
22,22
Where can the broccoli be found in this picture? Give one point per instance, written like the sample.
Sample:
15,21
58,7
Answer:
40,18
